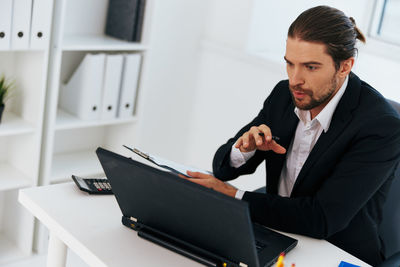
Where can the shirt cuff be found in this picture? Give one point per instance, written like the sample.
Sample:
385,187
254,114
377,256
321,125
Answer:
239,194
238,158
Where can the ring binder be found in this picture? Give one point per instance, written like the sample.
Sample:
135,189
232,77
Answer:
5,23
21,24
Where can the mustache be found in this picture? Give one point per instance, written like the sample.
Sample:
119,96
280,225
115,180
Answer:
301,90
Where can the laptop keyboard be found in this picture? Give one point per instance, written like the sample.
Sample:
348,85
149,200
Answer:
260,245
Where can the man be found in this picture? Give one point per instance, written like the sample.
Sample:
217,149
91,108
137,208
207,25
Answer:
338,148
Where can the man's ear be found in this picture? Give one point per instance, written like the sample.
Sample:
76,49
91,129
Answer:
346,66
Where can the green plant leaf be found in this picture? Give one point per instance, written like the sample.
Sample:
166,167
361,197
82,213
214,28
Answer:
6,87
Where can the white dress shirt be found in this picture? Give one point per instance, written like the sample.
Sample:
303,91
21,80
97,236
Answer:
307,133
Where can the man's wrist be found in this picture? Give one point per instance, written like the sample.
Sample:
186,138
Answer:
238,158
239,194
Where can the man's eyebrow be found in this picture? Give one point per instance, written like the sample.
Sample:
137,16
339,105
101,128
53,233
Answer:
287,60
304,63
312,63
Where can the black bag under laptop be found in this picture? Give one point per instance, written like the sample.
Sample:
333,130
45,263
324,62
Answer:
192,220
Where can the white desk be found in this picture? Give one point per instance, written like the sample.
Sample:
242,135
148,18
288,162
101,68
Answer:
91,227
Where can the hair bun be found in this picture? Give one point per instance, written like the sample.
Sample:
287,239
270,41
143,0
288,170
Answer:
359,35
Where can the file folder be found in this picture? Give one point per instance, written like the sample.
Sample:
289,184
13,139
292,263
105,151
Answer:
82,95
139,21
5,24
122,19
41,21
111,86
167,164
129,84
21,24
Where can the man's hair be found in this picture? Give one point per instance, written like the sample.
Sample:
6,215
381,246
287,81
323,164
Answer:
330,26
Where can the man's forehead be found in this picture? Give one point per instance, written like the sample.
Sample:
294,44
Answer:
304,51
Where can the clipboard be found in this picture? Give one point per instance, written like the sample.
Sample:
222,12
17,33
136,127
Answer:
167,164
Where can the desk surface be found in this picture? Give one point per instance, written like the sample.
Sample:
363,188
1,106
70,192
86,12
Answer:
91,227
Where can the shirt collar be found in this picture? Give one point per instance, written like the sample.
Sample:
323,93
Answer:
325,116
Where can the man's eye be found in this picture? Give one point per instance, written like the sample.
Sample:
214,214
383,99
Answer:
311,67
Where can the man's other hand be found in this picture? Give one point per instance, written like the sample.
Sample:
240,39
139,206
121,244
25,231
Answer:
210,182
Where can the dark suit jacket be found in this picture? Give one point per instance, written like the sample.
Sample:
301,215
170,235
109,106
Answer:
339,192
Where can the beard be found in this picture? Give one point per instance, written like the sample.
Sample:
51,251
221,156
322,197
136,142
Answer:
314,101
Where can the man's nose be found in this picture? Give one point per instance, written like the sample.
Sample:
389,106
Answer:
296,78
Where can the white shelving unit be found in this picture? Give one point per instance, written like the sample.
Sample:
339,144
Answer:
69,143
14,125
20,146
93,42
67,121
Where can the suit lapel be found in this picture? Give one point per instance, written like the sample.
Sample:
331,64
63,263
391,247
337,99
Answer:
285,129
289,123
341,118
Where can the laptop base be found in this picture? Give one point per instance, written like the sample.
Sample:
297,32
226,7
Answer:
186,249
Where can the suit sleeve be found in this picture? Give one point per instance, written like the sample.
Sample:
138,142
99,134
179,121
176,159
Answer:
367,164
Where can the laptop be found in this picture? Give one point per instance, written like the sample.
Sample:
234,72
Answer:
187,218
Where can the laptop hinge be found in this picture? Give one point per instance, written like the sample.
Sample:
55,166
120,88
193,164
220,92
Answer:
184,248
131,222
241,264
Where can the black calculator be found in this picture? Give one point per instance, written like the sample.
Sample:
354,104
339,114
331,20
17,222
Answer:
93,185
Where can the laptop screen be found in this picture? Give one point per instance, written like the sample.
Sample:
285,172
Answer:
185,210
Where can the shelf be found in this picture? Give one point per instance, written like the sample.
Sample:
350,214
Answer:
67,121
11,178
11,124
9,252
99,43
82,163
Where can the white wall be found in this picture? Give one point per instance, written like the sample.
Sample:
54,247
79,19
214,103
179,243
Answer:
176,30
214,86
273,18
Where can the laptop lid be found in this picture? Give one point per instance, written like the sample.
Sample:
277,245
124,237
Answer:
187,211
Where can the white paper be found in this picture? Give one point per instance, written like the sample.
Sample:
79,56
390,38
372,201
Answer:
167,164
176,166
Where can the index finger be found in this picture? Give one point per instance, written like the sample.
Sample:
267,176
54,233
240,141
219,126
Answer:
239,142
266,132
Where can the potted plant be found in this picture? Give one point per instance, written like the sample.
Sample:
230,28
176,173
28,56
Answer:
5,88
